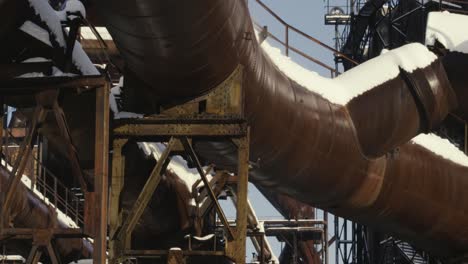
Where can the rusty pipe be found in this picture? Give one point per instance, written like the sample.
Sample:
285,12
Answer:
329,155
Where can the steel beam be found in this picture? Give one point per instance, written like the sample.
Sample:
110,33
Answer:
146,194
236,250
199,129
72,153
100,173
117,183
34,255
20,163
158,253
193,156
32,85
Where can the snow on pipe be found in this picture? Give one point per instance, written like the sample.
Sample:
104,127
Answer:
444,32
28,211
322,141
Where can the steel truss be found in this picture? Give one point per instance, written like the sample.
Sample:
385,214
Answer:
46,91
222,117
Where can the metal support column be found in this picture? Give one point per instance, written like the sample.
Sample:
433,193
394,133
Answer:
238,253
100,173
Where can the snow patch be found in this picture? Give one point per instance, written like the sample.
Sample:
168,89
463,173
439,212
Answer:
52,20
449,29
178,165
82,61
56,72
87,33
36,31
31,75
114,92
441,147
35,59
71,7
123,115
49,16
351,84
85,261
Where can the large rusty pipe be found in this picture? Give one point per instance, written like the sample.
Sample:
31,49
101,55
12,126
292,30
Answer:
326,154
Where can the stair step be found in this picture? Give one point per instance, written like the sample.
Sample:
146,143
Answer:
410,253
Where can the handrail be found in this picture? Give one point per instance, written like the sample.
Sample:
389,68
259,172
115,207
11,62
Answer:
296,50
288,27
54,191
62,197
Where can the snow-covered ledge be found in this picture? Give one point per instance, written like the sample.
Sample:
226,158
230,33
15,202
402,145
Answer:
350,84
449,29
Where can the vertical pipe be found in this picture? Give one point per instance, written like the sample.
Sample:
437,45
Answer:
100,172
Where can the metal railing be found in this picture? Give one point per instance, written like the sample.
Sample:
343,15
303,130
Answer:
48,188
59,195
288,47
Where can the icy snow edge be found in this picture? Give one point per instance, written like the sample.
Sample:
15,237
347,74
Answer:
441,147
449,29
51,18
358,80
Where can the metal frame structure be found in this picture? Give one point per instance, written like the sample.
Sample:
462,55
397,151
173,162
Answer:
46,91
179,126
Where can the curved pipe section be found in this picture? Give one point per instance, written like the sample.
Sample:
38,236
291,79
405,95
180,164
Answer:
329,154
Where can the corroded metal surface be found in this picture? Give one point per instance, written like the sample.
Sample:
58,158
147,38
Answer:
324,154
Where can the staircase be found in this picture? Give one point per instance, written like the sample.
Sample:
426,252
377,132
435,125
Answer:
68,203
409,253
398,252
